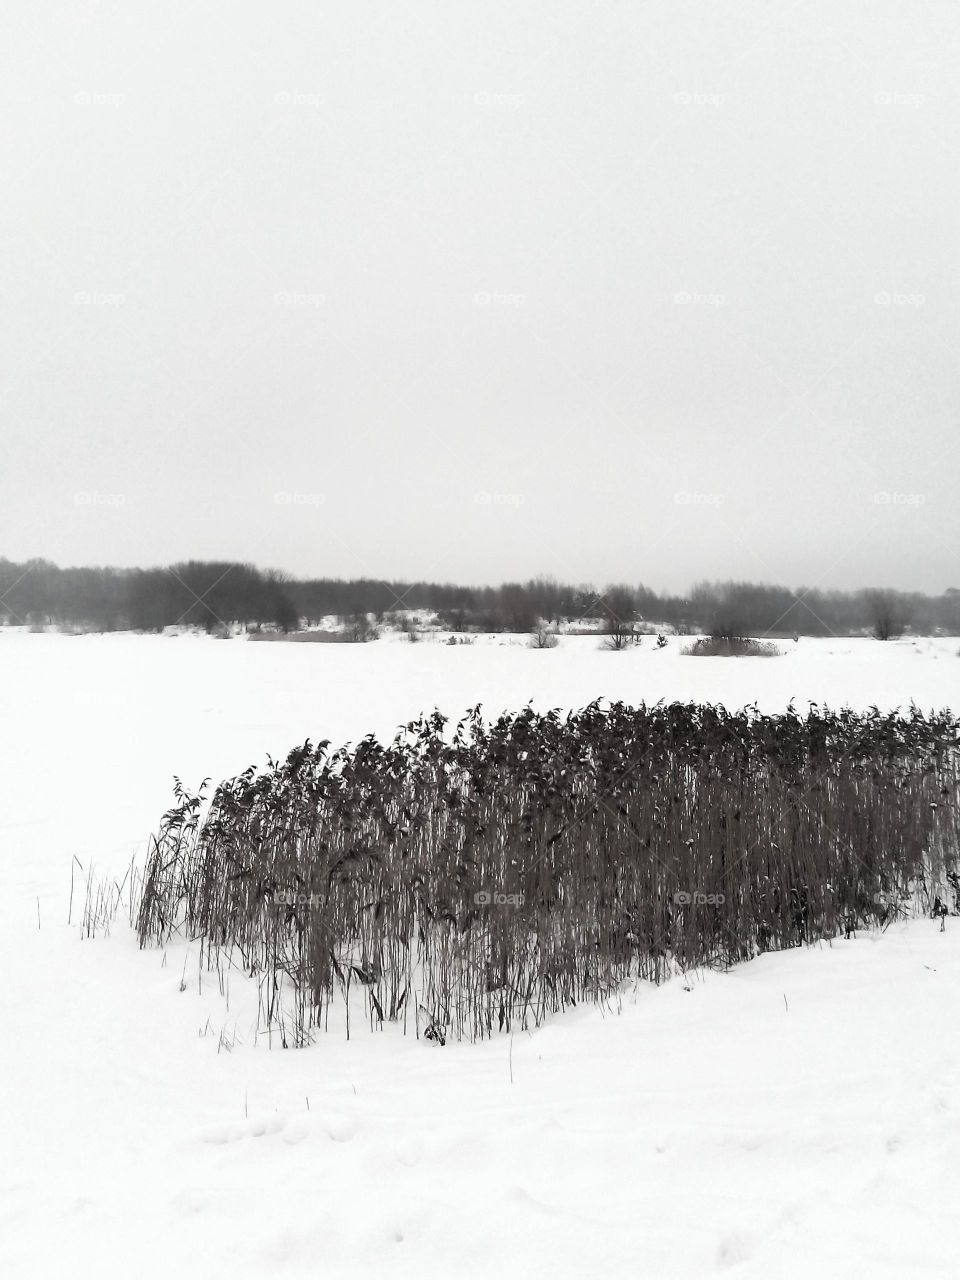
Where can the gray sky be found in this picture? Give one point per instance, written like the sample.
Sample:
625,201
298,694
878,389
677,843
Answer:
645,291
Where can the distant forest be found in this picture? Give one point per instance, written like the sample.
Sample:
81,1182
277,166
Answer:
213,595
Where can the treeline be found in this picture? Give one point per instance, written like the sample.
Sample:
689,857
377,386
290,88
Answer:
725,608
212,594
512,606
197,593
746,608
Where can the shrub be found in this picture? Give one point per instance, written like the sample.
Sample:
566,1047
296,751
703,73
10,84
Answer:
544,638
730,647
408,628
358,629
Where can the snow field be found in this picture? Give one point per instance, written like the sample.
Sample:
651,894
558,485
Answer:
796,1116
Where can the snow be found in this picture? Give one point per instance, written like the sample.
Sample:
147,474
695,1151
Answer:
797,1116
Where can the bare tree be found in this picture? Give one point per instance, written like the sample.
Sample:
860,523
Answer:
889,619
619,610
359,630
408,628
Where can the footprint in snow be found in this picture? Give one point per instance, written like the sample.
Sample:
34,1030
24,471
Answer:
340,1129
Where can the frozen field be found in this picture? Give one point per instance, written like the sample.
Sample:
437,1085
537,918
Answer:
799,1116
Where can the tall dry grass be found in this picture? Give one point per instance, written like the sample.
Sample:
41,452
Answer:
476,880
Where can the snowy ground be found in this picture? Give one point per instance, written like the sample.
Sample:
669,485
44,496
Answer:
798,1116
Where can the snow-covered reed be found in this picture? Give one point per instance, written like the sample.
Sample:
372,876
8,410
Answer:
480,879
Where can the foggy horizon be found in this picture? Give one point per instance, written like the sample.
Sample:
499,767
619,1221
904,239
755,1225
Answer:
600,583
648,294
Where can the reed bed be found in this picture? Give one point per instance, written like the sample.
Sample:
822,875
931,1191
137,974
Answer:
470,879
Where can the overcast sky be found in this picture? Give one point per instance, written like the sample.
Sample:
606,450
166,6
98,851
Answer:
647,291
